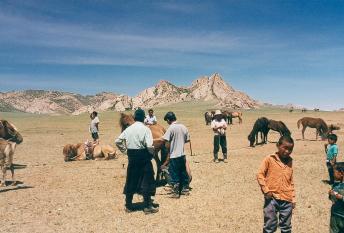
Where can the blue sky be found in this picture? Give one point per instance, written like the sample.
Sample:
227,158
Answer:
275,51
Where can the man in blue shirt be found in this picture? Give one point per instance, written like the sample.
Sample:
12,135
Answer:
331,150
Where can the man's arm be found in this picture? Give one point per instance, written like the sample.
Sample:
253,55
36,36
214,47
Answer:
121,143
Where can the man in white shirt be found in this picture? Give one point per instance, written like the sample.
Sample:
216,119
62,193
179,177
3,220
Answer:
137,142
94,127
150,119
219,127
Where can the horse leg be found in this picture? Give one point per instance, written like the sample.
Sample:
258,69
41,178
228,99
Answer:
316,134
158,166
3,181
14,182
303,132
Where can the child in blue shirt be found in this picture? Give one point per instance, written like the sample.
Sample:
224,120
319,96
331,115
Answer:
331,150
336,195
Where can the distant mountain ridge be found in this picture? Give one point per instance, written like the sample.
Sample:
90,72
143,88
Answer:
164,92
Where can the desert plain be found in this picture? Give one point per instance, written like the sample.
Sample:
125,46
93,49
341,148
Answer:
86,196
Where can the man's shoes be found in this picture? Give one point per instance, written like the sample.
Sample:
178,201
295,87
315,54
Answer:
150,210
225,161
216,160
186,191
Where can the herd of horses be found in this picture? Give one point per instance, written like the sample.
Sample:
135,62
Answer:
227,116
9,137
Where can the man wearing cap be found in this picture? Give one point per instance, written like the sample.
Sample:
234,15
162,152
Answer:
176,136
219,127
137,142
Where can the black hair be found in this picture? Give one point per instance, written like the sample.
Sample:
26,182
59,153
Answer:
339,166
170,116
333,137
285,138
139,115
150,110
95,113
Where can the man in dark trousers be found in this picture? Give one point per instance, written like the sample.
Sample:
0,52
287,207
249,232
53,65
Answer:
176,136
137,142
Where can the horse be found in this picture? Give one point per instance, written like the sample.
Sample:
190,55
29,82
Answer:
158,132
291,109
9,132
208,116
10,137
261,125
304,110
228,116
318,123
316,110
280,127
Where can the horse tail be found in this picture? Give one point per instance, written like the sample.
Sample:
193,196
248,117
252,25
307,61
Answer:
298,123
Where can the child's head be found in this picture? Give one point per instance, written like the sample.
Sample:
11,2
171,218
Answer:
150,112
332,138
285,146
338,171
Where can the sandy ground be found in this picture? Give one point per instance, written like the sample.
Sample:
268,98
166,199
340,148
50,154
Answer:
86,196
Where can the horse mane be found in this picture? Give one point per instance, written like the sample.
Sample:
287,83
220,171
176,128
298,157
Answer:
126,120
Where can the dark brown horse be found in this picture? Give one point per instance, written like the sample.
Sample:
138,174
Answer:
280,127
9,132
208,117
261,125
159,145
317,123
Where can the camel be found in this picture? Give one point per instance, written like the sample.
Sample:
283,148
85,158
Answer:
85,151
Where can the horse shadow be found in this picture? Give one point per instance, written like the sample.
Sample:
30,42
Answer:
19,166
9,187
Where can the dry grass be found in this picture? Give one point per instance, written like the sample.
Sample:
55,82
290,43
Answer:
87,196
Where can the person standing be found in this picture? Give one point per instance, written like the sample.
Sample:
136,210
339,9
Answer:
94,127
219,127
150,119
331,150
176,136
275,178
137,142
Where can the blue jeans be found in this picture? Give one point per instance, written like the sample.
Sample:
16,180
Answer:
271,208
178,173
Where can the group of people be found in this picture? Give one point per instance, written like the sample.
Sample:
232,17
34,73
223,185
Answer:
275,175
137,142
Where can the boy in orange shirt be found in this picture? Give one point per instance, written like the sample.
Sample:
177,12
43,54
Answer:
275,178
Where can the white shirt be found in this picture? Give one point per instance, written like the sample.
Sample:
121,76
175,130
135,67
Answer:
150,120
216,124
93,127
177,134
136,136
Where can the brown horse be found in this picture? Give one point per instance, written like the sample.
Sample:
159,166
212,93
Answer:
9,132
317,123
228,115
159,144
280,127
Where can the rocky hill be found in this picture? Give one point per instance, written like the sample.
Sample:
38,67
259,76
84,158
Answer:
54,102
